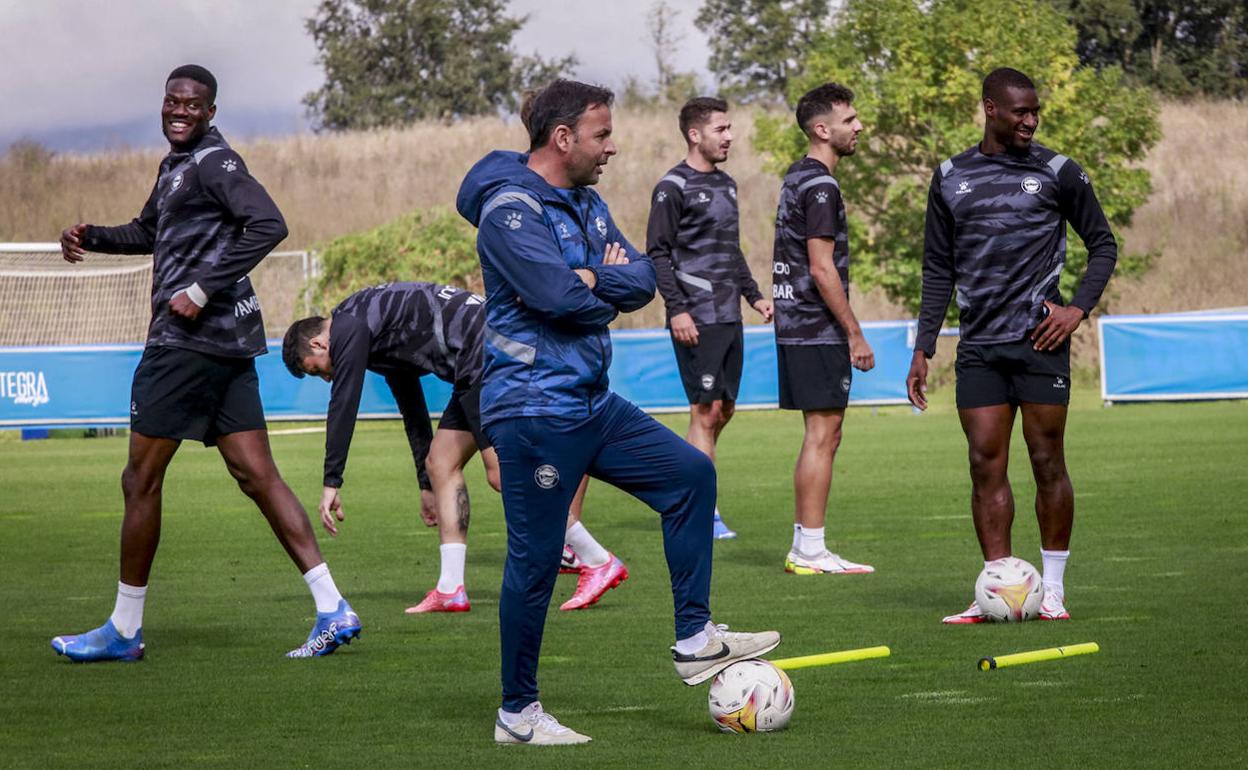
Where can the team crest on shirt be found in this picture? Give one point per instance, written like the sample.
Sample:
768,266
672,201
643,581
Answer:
176,183
513,220
821,196
229,165
1031,185
702,197
601,224
845,383
708,381
546,476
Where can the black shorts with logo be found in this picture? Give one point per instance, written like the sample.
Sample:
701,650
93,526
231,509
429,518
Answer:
184,394
463,412
1012,373
814,376
711,370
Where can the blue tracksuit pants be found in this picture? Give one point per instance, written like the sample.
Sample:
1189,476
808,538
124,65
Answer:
542,460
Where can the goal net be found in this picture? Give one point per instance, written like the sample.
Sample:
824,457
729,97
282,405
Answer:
106,298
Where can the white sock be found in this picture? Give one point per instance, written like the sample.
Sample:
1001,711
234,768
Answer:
512,718
323,589
592,554
128,612
692,644
1054,569
797,536
453,557
811,542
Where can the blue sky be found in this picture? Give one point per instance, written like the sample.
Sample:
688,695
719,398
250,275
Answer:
84,74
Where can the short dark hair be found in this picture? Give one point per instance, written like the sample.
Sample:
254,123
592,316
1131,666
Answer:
562,103
820,101
697,111
1002,78
199,75
297,344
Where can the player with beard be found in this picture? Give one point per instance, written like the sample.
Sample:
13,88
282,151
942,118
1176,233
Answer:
557,271
207,224
693,238
996,232
818,338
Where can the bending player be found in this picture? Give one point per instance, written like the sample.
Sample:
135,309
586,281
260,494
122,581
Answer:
818,339
694,243
207,224
404,331
557,271
1014,352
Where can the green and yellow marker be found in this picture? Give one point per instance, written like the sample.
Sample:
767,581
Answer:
829,658
1035,656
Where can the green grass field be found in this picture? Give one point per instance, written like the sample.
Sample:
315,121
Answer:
1157,577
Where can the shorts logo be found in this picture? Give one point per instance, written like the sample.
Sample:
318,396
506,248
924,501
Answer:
546,476
134,407
845,383
1031,185
601,224
708,381
1060,383
513,220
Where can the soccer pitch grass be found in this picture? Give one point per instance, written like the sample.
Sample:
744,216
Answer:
1156,577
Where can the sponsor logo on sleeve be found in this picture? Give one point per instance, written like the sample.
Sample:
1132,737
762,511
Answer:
513,220
229,165
660,196
821,196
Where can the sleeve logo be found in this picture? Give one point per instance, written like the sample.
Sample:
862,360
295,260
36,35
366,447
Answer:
601,224
229,165
1031,185
513,220
176,183
821,196
660,196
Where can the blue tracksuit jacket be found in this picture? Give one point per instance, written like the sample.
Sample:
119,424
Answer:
547,348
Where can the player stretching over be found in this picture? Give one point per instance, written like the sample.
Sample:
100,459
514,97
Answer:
693,241
207,223
996,230
818,337
404,331
557,270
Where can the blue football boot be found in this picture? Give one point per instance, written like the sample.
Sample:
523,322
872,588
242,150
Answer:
331,629
101,644
721,531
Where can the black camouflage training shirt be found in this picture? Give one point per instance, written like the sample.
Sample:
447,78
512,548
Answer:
810,207
693,239
207,222
401,331
996,234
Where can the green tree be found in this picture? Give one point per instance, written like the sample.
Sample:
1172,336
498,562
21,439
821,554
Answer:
916,67
1180,47
757,46
390,62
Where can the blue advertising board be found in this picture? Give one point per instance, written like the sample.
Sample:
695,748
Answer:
89,385
1174,356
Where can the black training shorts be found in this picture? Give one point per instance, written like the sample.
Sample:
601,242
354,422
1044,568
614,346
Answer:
711,370
463,412
814,376
1012,373
184,394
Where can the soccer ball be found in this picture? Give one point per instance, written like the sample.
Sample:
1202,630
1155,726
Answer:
751,696
1009,590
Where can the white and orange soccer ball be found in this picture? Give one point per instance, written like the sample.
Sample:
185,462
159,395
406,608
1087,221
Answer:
1009,590
751,696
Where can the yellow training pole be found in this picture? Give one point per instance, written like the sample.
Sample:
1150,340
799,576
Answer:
829,658
1052,653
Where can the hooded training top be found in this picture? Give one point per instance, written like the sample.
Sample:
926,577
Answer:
693,239
810,207
401,331
547,347
206,222
996,232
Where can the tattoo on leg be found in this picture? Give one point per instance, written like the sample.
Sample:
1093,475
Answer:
461,505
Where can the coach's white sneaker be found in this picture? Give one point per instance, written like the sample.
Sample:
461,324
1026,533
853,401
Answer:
1053,606
536,728
722,649
972,614
826,563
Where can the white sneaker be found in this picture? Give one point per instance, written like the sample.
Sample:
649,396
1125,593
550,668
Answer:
536,728
723,648
972,614
825,563
1053,606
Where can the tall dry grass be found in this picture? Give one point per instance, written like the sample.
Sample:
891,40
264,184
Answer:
328,185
